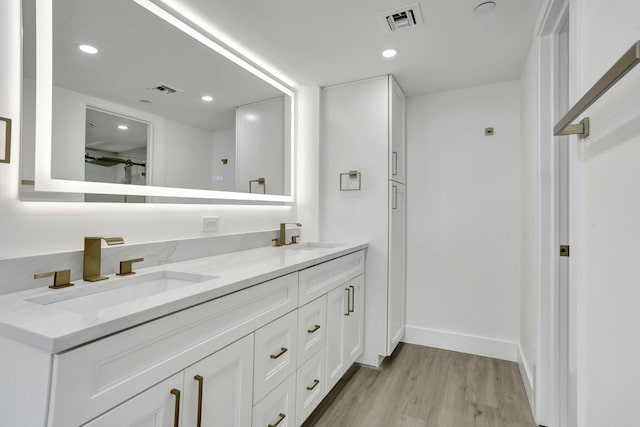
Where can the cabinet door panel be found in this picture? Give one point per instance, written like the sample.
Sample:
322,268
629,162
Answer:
154,407
397,131
226,387
396,282
278,406
311,387
337,313
355,321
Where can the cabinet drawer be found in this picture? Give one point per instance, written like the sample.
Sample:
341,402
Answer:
91,379
275,354
278,407
311,386
312,329
320,279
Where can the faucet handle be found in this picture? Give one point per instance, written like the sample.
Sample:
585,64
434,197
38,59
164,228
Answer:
294,239
61,278
126,267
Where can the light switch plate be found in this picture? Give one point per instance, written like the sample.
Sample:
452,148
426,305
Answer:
209,224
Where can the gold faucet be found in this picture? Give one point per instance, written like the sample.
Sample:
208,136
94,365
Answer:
93,255
280,241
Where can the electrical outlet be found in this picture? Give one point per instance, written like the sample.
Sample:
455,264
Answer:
209,224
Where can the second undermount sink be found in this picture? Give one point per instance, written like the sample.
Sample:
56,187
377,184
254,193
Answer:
313,246
109,293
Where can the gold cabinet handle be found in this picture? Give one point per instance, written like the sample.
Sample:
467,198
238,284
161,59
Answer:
176,413
315,384
348,301
353,299
283,350
200,384
282,417
315,328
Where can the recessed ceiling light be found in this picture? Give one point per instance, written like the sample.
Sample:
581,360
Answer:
123,127
389,53
207,98
88,49
485,7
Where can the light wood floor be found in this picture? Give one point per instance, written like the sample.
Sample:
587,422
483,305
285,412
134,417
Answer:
421,386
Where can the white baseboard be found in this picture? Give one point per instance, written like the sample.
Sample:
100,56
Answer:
472,344
527,379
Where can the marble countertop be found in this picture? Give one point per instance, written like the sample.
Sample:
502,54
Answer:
53,329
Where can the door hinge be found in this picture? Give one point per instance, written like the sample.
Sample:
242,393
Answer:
564,250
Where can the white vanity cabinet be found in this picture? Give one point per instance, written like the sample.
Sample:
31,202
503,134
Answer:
261,355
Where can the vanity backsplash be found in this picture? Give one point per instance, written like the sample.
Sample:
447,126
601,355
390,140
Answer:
16,274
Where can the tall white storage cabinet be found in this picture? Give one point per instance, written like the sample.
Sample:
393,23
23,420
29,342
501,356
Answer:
364,131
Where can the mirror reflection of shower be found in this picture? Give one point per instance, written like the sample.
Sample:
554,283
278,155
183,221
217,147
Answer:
115,151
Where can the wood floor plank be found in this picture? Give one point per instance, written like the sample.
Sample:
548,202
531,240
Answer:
426,387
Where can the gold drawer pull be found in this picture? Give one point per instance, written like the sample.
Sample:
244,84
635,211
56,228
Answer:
315,328
315,384
200,384
282,417
283,350
176,414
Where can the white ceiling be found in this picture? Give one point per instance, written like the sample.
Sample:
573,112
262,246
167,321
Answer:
324,42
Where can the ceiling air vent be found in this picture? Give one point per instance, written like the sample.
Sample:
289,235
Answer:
162,88
402,18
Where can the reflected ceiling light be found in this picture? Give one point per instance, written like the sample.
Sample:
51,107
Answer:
207,98
123,127
389,53
88,49
251,117
485,7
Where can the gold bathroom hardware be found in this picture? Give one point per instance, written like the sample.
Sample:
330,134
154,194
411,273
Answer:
200,385
315,384
283,350
126,267
565,250
488,131
61,278
294,240
7,140
280,241
224,161
176,411
315,328
625,64
93,254
345,179
260,181
353,299
282,417
28,182
348,301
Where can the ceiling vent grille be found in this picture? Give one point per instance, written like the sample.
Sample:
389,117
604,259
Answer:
162,88
402,18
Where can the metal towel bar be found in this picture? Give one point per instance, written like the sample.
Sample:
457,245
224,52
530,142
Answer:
630,59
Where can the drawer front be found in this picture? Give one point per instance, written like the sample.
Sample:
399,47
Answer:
312,329
91,379
278,407
275,354
311,386
318,280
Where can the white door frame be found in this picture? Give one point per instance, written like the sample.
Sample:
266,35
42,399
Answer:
551,375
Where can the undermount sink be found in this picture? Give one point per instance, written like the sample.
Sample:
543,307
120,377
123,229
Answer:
89,298
313,245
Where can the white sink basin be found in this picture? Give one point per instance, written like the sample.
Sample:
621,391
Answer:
313,246
89,298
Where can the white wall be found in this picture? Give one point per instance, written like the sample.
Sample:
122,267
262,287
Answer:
187,157
29,228
224,147
529,233
605,214
463,250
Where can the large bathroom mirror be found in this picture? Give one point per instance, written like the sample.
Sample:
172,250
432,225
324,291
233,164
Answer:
122,98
